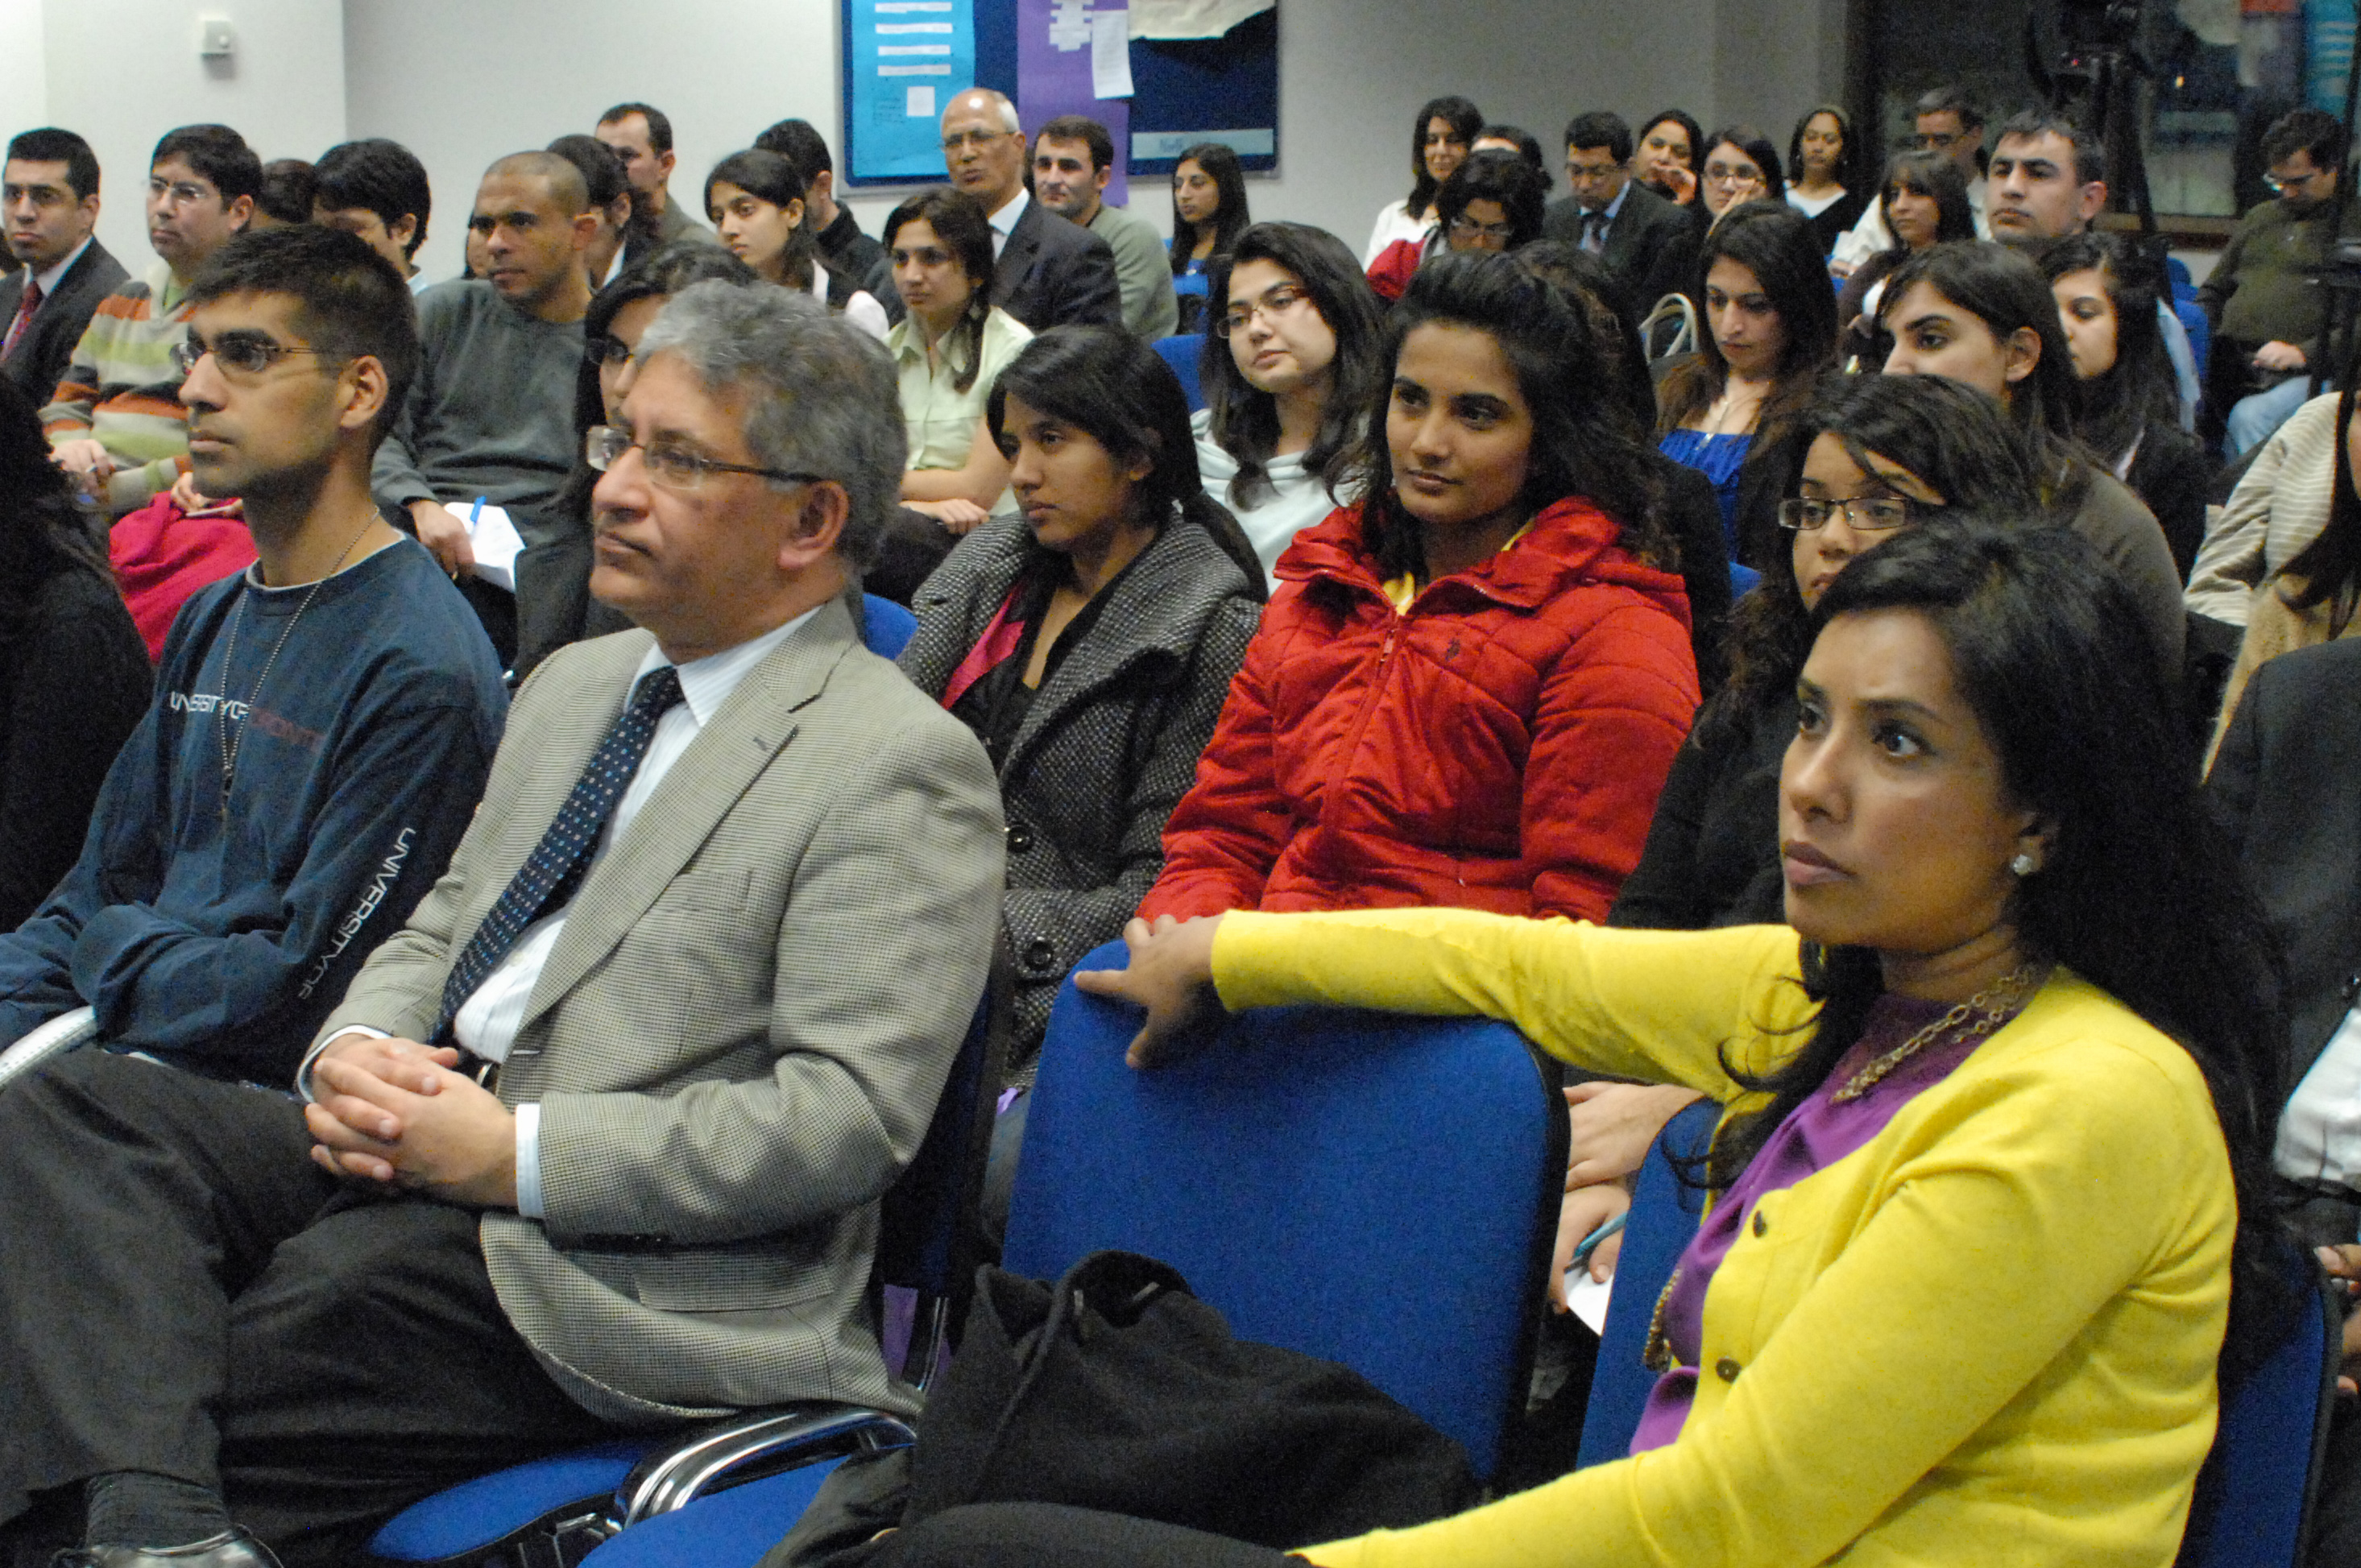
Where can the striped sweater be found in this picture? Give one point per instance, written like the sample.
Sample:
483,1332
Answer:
121,390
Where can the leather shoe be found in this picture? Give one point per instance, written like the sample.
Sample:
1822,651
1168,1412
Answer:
233,1548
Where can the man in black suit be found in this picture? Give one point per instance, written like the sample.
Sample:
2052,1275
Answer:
2284,787
1610,214
51,205
1050,272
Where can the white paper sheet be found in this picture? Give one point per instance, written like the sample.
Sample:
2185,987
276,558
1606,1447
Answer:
1587,1298
1110,54
1190,18
496,544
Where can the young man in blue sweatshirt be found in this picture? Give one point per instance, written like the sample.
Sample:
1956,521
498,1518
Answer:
323,724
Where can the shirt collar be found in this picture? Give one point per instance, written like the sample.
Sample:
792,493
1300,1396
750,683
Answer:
705,684
48,281
1005,220
1615,206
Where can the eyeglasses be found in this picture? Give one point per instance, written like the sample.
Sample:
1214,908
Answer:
1937,141
957,139
1468,228
1727,174
1583,172
180,192
1276,301
1862,514
676,469
2280,187
239,354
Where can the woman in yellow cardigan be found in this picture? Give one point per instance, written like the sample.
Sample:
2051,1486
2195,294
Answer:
1991,1124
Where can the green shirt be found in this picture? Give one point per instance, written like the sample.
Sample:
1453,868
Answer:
1141,271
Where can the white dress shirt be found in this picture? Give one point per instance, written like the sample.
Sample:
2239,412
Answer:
486,1022
1003,222
2320,1132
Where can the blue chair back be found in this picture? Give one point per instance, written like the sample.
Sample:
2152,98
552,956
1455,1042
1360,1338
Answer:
1373,1189
2253,1503
2193,320
1182,352
1664,1213
886,627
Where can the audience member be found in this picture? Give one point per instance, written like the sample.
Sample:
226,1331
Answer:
1511,138
2048,178
2107,289
487,417
285,197
2311,599
114,419
1946,122
320,726
1981,315
641,136
610,195
727,1059
2263,295
1493,200
2028,919
71,666
1925,204
49,200
1209,212
1827,173
1288,376
2281,505
1608,213
1471,681
1440,138
756,202
378,189
1740,166
1672,149
554,602
1088,642
949,349
1728,410
1048,272
842,244
1073,158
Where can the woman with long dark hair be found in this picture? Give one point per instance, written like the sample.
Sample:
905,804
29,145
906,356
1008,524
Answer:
1926,201
1670,150
1739,165
1493,201
756,201
1442,135
1981,314
1288,375
2106,290
1089,641
1728,411
1827,173
1992,1186
74,677
1471,679
1209,212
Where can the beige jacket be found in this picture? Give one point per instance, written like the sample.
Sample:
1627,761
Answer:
2278,508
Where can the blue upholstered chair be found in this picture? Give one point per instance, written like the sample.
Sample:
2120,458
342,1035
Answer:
1182,352
886,627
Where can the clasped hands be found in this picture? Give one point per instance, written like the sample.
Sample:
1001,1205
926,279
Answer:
394,1112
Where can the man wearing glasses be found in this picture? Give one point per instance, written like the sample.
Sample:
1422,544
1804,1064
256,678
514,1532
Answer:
1609,213
1947,123
113,420
2263,295
1050,272
596,1141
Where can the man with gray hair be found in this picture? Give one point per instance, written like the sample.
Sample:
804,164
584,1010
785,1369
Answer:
1046,271
596,1139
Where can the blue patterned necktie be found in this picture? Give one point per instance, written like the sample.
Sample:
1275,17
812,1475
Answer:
566,846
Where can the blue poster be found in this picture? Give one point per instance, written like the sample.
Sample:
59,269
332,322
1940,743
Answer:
904,60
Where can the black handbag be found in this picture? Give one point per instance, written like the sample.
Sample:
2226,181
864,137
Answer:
1117,1389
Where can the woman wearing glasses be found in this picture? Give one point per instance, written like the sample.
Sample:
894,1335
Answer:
1493,201
1209,212
1741,165
1440,140
1288,379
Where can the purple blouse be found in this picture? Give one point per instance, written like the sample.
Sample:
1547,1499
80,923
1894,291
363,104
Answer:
1816,1134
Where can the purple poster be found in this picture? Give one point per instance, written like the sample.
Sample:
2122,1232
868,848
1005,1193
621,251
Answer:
1054,76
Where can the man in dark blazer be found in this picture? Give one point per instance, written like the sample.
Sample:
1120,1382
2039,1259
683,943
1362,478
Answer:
1050,272
596,1141
1624,223
51,205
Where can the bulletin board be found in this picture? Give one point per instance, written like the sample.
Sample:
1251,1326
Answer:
904,59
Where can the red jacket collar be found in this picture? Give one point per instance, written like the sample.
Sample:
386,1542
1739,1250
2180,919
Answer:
1569,541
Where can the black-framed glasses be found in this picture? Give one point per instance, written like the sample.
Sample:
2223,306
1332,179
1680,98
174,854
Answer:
1731,174
1468,228
674,467
1862,514
237,353
1586,172
1276,301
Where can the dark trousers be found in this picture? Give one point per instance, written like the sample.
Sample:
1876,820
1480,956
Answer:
1049,1535
183,1291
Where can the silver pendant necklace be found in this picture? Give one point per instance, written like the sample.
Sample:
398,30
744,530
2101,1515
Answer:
230,750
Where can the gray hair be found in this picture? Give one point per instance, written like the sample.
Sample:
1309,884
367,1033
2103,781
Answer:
997,101
822,395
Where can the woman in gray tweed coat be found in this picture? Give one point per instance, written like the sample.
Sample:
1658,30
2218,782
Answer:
1089,643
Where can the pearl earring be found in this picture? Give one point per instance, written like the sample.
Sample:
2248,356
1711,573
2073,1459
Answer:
2023,864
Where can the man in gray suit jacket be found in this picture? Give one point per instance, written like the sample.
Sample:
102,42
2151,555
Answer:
594,1141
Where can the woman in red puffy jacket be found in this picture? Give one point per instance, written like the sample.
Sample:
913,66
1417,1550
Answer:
1468,689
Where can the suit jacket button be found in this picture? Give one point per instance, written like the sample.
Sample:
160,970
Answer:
1019,839
1762,1225
1039,955
1726,1369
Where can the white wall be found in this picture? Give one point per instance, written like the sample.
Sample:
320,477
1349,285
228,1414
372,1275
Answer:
20,39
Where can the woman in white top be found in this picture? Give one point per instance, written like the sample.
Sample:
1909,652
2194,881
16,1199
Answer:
755,199
1293,358
947,349
1439,141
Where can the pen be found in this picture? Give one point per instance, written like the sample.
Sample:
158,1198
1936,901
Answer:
475,514
1590,1243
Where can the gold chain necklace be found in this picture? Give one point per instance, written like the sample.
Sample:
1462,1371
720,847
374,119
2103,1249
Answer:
230,751
1977,1016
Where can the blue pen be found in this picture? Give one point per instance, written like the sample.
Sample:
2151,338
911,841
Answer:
1590,1243
475,514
